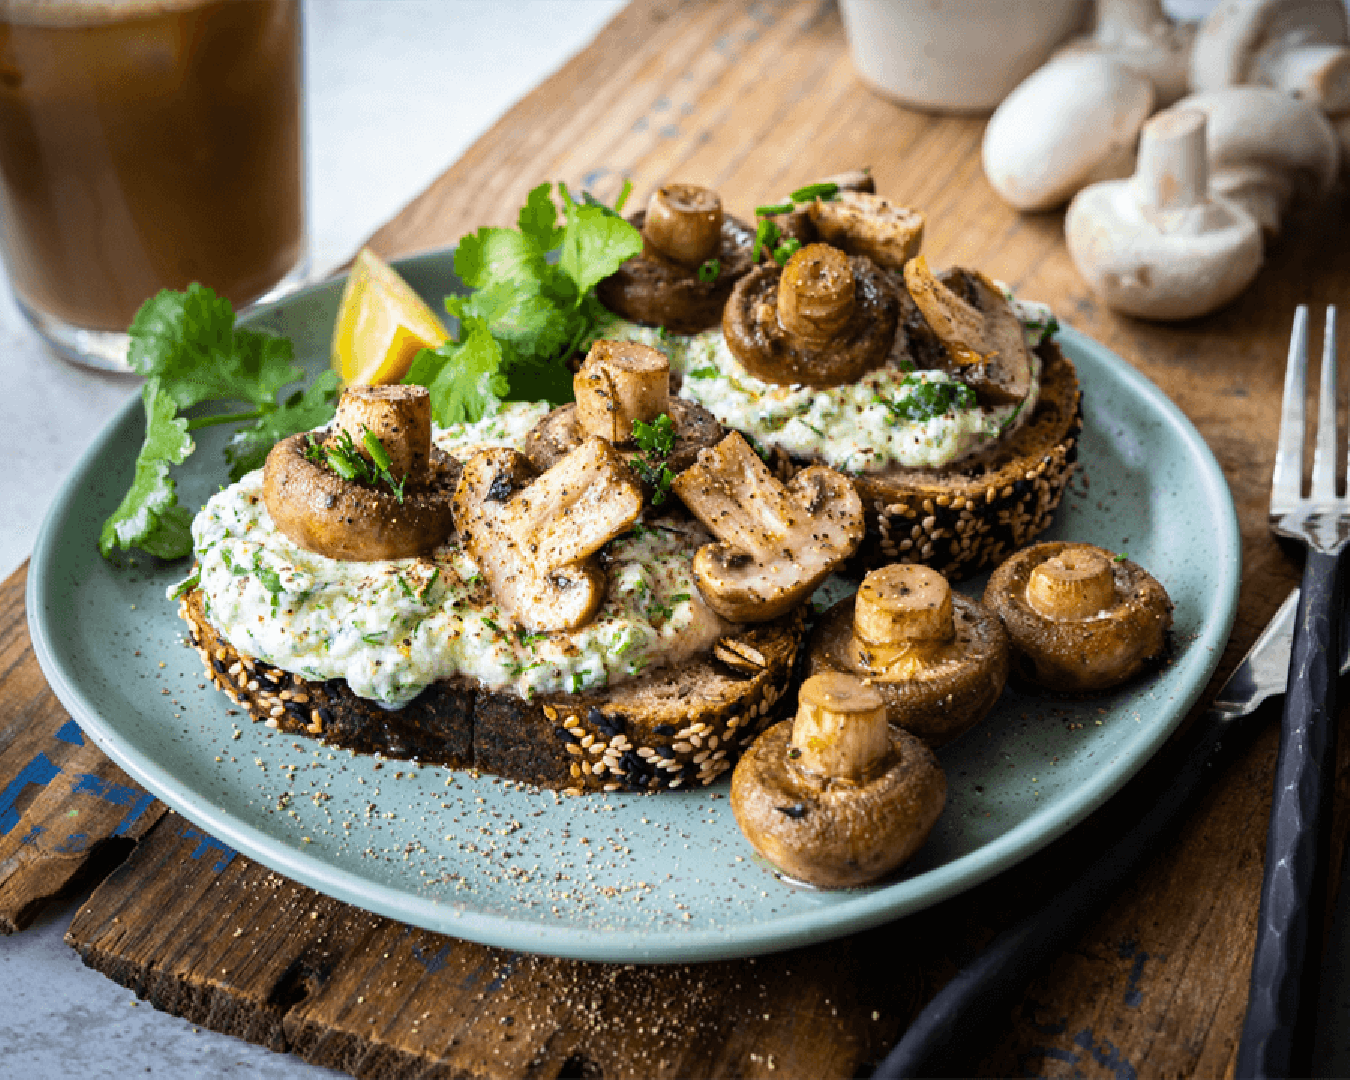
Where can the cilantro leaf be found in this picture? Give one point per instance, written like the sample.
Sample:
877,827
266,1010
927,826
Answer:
149,516
189,341
526,311
538,219
302,411
464,377
594,243
187,346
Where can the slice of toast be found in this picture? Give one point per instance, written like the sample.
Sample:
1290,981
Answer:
673,727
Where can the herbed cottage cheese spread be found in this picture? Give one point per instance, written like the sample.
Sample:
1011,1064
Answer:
859,427
392,628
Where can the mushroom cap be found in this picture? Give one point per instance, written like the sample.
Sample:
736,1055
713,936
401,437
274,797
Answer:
1078,655
344,519
1195,263
1239,41
1072,122
937,701
654,291
836,834
758,340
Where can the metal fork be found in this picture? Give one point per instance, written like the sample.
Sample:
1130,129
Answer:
1282,1001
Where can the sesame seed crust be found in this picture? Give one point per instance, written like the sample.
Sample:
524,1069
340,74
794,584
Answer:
973,515
626,738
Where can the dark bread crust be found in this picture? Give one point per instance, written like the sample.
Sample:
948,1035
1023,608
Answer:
973,515
675,727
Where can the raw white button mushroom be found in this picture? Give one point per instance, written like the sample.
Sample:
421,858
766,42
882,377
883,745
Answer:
1301,47
837,797
1266,149
1160,245
1140,35
1070,123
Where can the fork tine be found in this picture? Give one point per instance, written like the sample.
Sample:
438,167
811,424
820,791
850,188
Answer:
1324,457
1286,484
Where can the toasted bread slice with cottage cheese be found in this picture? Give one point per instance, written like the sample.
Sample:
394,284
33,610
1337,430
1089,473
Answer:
676,727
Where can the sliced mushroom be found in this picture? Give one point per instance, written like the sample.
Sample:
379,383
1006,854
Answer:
1079,617
797,224
980,332
860,223
837,797
939,659
825,319
618,383
532,536
343,518
776,543
692,255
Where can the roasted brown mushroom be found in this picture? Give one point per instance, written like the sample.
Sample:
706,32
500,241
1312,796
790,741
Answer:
863,223
776,543
837,797
980,333
796,223
1079,617
938,659
824,319
532,537
343,518
618,383
692,255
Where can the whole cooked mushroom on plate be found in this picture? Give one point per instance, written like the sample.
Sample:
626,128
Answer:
941,397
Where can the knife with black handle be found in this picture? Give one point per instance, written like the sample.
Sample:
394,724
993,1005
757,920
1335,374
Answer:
978,998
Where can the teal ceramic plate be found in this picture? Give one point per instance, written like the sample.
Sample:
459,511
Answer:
621,877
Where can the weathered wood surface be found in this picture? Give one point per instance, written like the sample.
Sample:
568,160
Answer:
753,99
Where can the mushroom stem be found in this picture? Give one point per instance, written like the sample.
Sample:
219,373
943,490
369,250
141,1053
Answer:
1313,71
1076,584
903,611
816,293
840,731
684,224
399,416
1173,168
620,382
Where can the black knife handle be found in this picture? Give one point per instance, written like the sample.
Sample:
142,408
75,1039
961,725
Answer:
1277,1035
977,1000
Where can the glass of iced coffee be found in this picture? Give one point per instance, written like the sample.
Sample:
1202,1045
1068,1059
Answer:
147,144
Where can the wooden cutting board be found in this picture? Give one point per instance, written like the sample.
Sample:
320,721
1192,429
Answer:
753,99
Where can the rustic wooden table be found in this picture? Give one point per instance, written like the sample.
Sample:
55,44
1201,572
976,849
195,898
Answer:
751,98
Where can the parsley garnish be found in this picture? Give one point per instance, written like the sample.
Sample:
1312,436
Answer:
767,233
578,682
526,312
188,348
656,440
342,456
925,400
707,273
705,372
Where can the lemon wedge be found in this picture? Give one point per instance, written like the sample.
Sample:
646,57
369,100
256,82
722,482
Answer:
381,325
